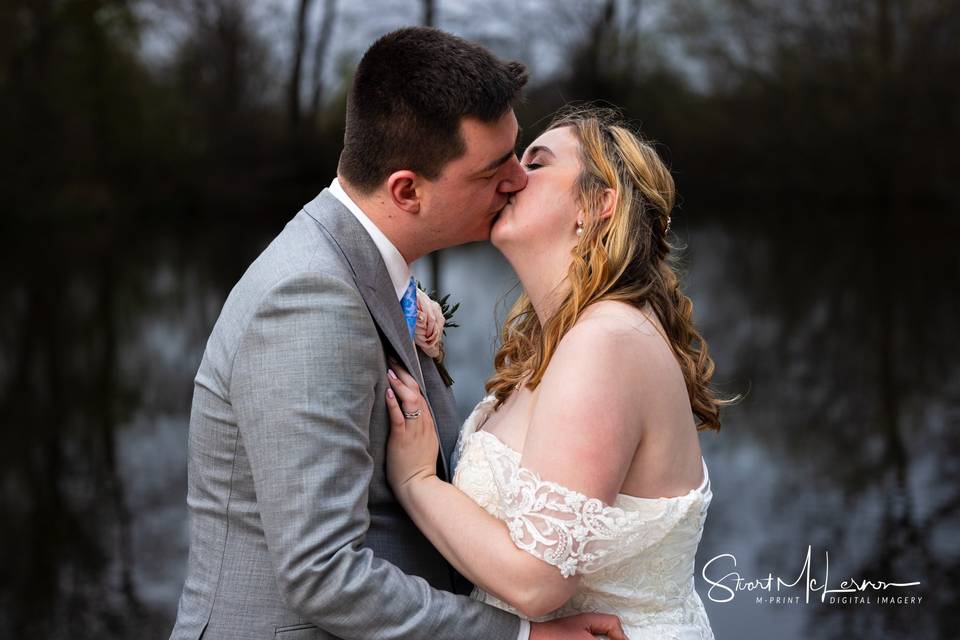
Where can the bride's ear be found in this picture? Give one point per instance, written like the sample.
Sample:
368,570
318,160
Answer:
608,203
402,187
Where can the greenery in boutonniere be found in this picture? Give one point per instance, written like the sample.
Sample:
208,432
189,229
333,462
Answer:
447,310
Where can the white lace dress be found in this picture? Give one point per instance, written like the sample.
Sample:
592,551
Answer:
635,557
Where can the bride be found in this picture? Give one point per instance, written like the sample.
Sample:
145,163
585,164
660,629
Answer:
580,484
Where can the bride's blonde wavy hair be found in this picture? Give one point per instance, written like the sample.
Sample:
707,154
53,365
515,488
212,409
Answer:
624,257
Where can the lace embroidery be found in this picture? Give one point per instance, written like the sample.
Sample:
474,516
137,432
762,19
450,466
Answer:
647,580
560,526
574,532
477,417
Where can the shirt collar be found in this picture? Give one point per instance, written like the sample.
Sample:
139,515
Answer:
397,267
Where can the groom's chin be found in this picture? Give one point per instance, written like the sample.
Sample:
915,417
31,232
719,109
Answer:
483,236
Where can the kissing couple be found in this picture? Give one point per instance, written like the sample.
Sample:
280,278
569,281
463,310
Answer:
333,491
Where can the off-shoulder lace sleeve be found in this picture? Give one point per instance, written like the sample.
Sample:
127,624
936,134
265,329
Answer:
574,532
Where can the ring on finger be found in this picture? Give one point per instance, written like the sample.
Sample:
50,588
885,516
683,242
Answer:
411,415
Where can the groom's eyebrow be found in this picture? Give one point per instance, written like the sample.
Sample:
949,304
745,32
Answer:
505,157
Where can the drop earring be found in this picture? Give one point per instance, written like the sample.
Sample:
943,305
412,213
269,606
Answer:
579,228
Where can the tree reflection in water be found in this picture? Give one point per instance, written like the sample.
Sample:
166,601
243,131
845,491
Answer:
136,196
853,392
97,382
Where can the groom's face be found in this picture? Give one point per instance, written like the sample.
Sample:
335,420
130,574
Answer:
463,202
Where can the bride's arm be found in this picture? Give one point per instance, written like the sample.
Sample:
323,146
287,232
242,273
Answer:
582,436
479,546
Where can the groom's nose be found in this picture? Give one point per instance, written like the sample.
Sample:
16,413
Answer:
515,178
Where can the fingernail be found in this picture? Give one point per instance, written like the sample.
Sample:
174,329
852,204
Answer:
390,393
391,374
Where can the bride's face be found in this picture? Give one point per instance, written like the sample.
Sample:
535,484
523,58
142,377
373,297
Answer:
543,216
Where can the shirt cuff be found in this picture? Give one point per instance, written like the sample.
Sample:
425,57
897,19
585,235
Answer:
524,630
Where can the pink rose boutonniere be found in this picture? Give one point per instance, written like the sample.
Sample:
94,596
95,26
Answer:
433,318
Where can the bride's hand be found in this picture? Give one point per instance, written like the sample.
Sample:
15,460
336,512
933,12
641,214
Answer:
412,447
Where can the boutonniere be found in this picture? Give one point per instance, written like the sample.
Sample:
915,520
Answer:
434,317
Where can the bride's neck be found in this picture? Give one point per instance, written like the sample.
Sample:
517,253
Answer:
546,289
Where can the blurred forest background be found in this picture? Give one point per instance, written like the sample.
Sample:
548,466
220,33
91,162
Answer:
150,149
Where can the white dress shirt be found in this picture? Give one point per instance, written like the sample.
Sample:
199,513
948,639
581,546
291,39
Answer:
397,267
399,272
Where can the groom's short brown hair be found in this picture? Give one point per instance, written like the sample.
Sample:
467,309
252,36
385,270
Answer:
409,93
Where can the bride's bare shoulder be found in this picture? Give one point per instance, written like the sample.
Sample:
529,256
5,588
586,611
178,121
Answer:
632,337
619,317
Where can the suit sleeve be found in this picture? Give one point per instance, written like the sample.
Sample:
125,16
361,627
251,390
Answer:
303,387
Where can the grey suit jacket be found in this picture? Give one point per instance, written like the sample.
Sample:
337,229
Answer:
294,530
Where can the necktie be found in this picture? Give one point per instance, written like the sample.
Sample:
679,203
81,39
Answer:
409,304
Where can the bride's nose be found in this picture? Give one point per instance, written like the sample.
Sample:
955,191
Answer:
515,178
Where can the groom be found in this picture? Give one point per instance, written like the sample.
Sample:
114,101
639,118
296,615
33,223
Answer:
295,533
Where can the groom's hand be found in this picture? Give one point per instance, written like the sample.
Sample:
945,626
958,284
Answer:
580,627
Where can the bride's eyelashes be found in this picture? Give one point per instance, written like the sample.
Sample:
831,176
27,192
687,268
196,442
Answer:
532,166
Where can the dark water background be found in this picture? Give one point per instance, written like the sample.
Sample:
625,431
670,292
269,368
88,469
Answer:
816,160
95,478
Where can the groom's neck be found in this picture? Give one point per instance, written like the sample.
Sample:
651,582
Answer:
388,218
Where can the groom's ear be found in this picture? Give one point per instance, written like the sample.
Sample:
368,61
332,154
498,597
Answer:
402,187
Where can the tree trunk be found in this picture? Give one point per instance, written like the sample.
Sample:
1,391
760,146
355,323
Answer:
429,13
320,49
293,95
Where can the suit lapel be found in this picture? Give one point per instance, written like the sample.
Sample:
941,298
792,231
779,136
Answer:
444,409
375,287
